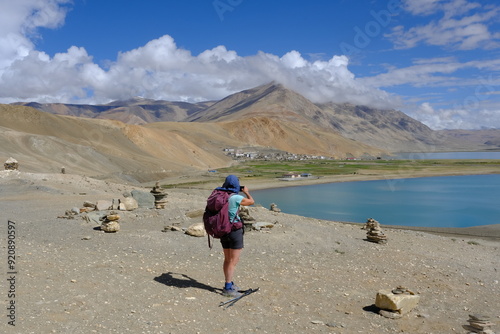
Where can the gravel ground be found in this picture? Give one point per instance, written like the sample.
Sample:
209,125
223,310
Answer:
314,275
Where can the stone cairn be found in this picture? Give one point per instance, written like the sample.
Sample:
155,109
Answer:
274,208
11,164
248,220
374,233
160,196
110,223
479,324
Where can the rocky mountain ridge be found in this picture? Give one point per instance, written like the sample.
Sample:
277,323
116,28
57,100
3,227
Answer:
389,130
110,149
143,140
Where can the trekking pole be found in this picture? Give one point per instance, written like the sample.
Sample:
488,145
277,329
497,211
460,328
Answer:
232,301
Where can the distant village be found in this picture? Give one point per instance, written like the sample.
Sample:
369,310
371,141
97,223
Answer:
274,155
241,154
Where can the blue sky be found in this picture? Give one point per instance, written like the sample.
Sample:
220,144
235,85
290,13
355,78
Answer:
436,60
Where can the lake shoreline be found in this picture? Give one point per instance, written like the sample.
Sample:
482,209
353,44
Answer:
149,278
488,232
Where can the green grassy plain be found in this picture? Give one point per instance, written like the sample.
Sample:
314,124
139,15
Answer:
260,171
263,169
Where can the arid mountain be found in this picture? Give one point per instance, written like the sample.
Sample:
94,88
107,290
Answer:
485,139
110,149
106,149
272,100
133,111
144,139
389,130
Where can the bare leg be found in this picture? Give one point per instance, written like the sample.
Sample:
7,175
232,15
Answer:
231,258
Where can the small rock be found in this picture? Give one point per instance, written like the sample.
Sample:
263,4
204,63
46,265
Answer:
390,314
116,204
260,225
102,205
110,226
112,217
172,228
129,204
88,204
196,230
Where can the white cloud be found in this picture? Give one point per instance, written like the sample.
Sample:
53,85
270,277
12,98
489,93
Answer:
421,7
455,118
19,21
459,28
438,72
161,70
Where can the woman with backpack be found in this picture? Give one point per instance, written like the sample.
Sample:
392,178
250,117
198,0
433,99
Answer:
232,243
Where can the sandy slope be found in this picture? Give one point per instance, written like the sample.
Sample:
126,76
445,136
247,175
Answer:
314,275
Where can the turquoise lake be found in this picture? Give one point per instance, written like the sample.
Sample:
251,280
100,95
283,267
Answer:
444,201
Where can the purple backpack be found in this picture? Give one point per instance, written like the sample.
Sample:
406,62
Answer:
216,216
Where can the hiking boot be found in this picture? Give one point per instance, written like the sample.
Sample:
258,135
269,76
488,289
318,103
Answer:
231,292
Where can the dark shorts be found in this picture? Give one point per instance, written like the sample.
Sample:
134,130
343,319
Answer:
233,240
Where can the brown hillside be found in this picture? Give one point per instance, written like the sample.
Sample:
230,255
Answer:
272,100
388,130
297,138
100,148
109,149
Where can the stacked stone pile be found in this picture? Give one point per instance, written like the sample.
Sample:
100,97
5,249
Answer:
11,164
248,220
274,208
160,196
374,233
110,223
479,324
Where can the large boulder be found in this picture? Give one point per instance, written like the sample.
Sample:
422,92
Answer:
396,302
144,199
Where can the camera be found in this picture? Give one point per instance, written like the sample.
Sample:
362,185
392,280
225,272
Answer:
241,188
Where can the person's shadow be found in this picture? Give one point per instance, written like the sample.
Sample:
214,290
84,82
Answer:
183,281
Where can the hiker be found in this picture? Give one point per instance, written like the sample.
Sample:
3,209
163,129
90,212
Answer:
232,243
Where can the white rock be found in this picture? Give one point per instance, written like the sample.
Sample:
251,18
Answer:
403,303
103,205
110,226
196,230
130,203
260,225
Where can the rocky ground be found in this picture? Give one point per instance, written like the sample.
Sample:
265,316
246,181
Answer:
314,275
